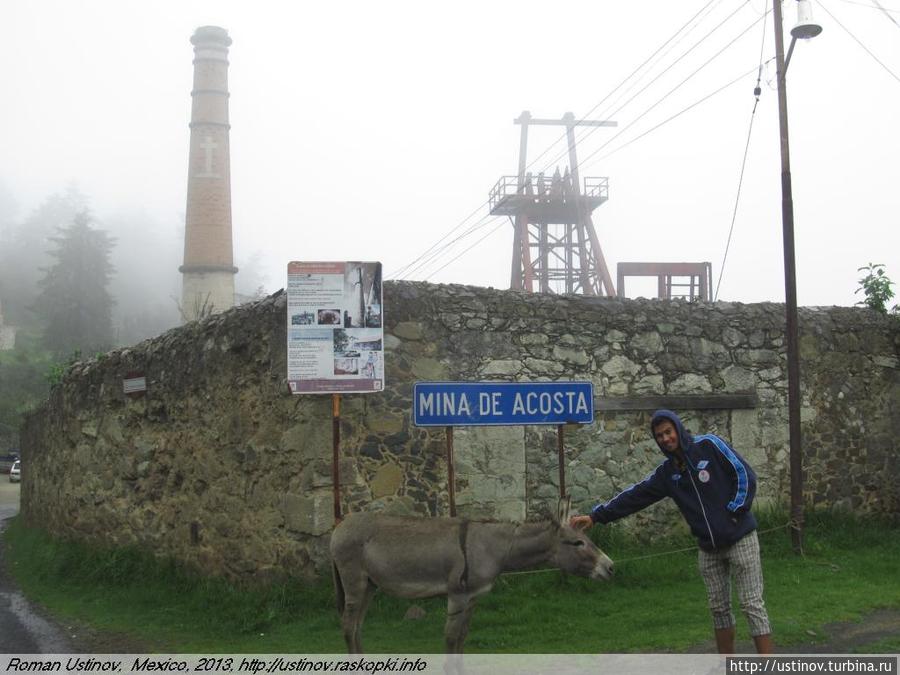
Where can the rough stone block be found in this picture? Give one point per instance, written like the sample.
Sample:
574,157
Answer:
647,344
309,439
387,480
313,514
620,366
408,330
383,422
690,383
652,384
738,379
429,369
572,355
503,367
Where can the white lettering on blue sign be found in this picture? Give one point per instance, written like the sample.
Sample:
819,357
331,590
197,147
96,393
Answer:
489,403
544,403
444,403
480,403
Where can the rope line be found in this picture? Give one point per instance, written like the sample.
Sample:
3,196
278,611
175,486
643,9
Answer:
645,557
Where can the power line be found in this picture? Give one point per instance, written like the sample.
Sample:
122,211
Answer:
630,76
673,90
484,221
885,12
455,258
866,4
859,42
678,114
737,199
425,258
436,249
433,246
649,84
656,58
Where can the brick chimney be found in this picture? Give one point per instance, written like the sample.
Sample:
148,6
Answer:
208,270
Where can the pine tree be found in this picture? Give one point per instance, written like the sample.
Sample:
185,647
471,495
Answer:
23,252
74,301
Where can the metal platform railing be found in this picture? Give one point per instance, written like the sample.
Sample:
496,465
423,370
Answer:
546,189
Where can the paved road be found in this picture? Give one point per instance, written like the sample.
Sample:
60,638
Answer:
22,630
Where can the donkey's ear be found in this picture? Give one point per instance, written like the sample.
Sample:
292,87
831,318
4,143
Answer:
562,510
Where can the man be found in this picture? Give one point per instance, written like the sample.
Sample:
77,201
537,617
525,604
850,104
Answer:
713,488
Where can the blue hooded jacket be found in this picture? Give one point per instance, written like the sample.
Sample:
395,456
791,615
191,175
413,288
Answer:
714,490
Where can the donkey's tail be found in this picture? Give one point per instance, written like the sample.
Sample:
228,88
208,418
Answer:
338,588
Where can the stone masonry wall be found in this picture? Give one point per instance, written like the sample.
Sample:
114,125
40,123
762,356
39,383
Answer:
220,466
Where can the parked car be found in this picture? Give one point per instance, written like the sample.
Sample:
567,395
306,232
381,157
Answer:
15,473
7,460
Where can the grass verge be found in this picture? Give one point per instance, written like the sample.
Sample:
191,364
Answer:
654,604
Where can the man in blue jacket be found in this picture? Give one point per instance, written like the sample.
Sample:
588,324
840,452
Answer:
713,488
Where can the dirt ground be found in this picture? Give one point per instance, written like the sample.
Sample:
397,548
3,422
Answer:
843,637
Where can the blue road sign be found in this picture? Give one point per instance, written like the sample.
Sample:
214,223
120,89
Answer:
441,404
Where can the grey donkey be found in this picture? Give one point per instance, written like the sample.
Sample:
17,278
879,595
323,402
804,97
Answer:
423,557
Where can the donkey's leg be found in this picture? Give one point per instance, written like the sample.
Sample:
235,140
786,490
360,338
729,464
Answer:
467,617
454,629
356,591
363,606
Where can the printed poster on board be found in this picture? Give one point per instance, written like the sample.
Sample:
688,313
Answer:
335,338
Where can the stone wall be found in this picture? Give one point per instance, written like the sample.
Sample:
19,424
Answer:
220,466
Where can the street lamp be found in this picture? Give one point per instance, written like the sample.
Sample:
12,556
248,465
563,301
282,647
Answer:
804,29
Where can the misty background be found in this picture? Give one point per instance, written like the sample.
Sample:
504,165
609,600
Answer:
371,131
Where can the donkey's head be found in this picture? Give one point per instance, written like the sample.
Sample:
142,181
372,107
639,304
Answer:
575,553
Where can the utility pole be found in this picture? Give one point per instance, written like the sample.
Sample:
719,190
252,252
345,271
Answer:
790,300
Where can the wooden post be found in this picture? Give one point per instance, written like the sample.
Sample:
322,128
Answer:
336,454
451,474
560,448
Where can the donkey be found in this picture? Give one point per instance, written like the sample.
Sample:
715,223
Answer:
423,557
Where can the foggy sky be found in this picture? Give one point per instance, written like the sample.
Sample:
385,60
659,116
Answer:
367,131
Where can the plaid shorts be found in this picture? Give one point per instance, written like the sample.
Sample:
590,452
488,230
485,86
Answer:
742,561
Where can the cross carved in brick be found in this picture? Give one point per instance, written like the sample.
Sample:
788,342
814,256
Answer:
208,146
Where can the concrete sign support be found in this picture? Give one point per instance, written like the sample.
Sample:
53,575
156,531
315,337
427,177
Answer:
450,404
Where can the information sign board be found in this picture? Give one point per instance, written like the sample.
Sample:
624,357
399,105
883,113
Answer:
335,335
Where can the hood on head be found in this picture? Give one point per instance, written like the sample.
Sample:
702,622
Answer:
684,436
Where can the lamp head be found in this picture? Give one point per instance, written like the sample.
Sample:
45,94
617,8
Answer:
806,28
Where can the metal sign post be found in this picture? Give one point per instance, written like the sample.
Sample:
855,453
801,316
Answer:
451,473
336,454
560,451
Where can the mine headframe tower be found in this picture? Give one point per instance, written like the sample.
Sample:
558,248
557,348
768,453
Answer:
555,246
